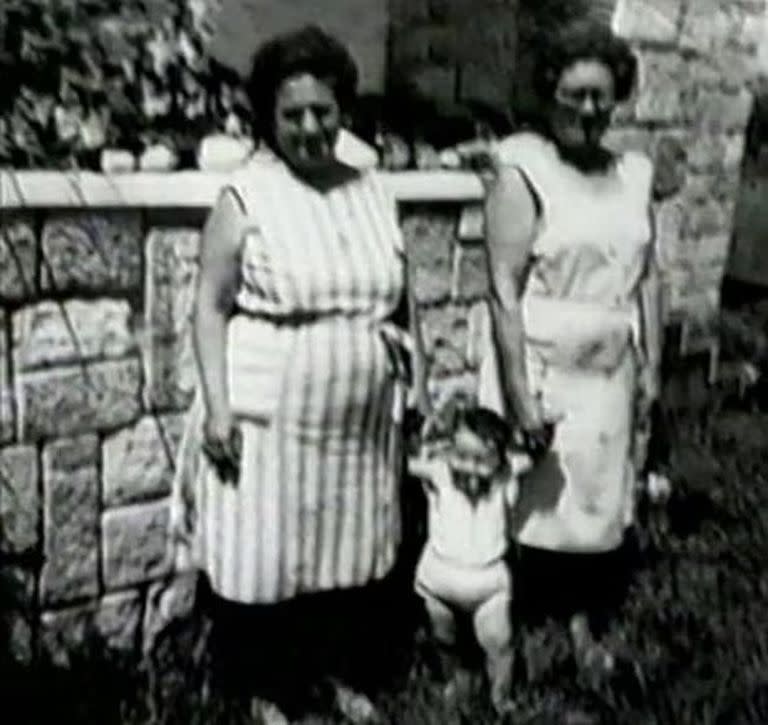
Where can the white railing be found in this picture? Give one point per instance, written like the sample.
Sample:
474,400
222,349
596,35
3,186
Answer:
191,189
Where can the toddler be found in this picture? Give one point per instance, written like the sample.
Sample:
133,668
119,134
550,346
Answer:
463,571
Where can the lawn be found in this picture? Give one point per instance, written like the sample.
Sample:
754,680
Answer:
696,623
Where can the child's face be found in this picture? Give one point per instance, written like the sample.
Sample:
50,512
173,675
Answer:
474,459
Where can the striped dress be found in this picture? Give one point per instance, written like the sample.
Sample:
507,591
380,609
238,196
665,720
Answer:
316,507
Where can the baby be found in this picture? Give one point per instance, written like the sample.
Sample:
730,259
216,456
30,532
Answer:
463,571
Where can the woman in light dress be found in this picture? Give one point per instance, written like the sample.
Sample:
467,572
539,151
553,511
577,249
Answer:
575,330
288,492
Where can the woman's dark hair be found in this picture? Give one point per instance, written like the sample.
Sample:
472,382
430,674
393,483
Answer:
557,49
308,50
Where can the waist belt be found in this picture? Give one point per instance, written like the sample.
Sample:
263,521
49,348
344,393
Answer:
579,334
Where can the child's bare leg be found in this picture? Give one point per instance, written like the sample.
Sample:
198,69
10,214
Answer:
493,629
443,627
442,623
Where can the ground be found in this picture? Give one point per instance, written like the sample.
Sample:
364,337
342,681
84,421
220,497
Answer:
695,625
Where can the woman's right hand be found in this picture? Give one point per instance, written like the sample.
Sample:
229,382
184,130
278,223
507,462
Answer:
537,430
223,446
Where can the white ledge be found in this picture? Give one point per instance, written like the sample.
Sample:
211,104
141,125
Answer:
191,189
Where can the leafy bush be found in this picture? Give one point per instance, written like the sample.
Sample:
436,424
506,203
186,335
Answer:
79,76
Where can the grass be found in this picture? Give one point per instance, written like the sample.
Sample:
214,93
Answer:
696,622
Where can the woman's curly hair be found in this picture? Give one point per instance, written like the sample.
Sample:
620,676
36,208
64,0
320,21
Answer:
557,50
307,50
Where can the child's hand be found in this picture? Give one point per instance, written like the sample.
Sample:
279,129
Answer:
519,462
533,443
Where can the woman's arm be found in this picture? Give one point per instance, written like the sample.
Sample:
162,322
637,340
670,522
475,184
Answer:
651,322
510,219
216,289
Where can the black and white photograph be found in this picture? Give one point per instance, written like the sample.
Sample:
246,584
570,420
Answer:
384,362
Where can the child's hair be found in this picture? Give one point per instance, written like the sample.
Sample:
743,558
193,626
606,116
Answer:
488,425
461,409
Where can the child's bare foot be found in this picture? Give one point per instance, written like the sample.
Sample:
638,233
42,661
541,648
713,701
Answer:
265,712
354,706
459,687
592,658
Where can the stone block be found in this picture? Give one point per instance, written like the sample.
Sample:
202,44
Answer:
713,248
170,373
678,282
753,29
430,236
709,25
18,256
716,111
78,398
669,217
478,333
711,152
92,251
650,21
138,462
707,218
171,272
50,332
70,519
19,499
7,407
112,624
445,331
663,83
470,273
628,138
471,225
135,544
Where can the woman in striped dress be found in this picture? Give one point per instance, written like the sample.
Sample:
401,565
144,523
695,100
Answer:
302,273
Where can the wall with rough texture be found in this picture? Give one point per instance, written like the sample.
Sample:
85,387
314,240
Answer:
698,59
94,378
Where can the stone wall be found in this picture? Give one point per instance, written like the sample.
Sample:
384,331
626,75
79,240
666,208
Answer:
698,59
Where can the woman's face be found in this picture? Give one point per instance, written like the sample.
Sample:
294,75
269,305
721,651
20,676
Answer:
583,103
307,121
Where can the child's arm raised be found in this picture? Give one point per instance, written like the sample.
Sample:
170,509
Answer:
420,466
519,463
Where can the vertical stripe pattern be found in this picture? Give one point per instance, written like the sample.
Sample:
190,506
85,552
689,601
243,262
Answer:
316,505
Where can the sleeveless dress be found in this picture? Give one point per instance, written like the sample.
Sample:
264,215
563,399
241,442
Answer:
581,316
317,503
